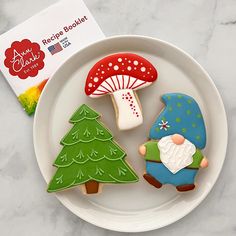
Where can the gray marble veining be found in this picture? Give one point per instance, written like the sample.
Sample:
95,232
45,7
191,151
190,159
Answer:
206,30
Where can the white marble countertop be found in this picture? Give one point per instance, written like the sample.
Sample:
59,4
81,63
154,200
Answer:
206,30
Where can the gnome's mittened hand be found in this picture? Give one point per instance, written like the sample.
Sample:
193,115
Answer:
204,163
142,150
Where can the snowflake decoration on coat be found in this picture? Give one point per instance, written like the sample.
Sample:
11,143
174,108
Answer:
164,125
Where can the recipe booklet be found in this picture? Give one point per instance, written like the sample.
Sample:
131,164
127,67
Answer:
32,51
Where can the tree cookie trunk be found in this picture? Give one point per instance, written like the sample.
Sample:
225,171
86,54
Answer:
91,187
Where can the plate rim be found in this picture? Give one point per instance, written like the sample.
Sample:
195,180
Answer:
224,116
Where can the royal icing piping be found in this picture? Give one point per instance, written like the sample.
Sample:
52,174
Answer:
129,107
181,115
118,74
175,157
89,153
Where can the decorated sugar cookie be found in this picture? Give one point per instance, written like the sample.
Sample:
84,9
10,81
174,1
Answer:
120,75
89,156
173,155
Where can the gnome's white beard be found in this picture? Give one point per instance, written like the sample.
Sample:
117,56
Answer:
175,157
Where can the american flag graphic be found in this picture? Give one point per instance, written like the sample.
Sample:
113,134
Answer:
53,49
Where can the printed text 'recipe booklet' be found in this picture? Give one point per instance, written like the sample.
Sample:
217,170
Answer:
32,51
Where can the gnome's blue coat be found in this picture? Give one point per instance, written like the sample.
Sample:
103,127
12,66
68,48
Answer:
164,176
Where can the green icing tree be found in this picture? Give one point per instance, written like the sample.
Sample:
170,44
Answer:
89,156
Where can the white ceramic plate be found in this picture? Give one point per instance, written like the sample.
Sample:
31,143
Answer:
130,207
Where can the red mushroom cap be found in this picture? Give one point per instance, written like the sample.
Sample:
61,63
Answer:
119,71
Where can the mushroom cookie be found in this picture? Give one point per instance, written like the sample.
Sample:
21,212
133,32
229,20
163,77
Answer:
89,156
173,155
120,75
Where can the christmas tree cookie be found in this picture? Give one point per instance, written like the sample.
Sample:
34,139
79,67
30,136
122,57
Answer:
89,156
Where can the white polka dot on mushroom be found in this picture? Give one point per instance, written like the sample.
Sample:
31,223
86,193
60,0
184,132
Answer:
90,85
129,68
95,79
110,64
143,69
119,59
116,67
103,72
135,63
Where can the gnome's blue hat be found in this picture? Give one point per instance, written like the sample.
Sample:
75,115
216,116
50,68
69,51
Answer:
181,115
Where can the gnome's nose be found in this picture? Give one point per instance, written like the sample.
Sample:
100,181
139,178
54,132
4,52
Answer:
177,139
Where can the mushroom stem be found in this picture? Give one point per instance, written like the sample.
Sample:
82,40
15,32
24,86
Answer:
128,110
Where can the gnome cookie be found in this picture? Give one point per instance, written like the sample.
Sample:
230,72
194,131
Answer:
173,154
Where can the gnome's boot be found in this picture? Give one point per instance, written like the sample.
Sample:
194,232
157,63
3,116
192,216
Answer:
151,180
185,188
